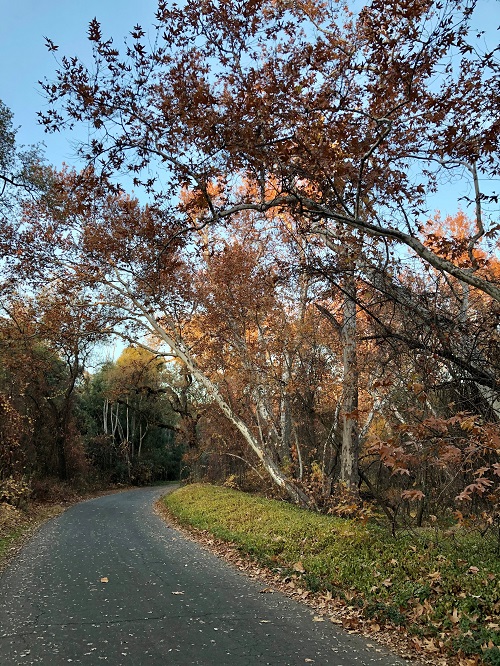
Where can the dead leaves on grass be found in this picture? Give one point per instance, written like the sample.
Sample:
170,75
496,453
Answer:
343,612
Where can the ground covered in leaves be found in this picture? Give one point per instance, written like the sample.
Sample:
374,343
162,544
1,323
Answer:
428,593
17,525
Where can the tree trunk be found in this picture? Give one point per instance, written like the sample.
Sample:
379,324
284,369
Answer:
349,454
285,418
293,491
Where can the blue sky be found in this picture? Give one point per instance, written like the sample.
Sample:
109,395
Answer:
25,60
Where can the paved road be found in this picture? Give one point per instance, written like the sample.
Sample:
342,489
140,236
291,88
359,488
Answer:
166,602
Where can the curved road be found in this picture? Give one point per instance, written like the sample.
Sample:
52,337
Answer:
166,600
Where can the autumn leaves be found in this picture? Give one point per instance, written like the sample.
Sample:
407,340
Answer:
286,152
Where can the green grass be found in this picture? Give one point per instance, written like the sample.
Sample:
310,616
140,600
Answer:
423,582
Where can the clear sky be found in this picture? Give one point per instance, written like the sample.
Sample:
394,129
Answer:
25,60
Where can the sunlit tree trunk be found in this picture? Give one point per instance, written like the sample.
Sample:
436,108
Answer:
295,493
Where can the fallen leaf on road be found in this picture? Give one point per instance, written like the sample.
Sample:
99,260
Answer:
104,580
318,618
177,592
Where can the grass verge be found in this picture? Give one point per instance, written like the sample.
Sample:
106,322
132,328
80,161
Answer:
441,589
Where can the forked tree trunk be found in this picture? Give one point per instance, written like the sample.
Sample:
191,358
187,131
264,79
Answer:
295,493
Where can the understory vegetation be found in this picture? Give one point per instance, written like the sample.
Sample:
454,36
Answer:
64,431
439,586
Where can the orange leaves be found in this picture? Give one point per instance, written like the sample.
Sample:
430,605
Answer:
451,239
394,457
460,441
479,486
468,424
197,201
412,495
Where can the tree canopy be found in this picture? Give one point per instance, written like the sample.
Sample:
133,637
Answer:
289,256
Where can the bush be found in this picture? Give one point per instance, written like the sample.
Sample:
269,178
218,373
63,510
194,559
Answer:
15,492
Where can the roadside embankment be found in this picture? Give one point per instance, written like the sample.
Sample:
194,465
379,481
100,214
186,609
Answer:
440,589
16,526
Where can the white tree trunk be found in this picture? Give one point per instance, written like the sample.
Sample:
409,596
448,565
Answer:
182,352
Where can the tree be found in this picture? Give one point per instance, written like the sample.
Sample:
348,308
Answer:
342,123
132,426
232,310
351,117
22,171
45,342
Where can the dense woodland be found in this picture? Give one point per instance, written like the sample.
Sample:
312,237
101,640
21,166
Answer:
255,216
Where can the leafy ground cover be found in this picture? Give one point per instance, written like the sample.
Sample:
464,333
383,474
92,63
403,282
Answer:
440,588
17,525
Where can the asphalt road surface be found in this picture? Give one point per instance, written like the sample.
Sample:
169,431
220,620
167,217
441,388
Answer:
166,600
